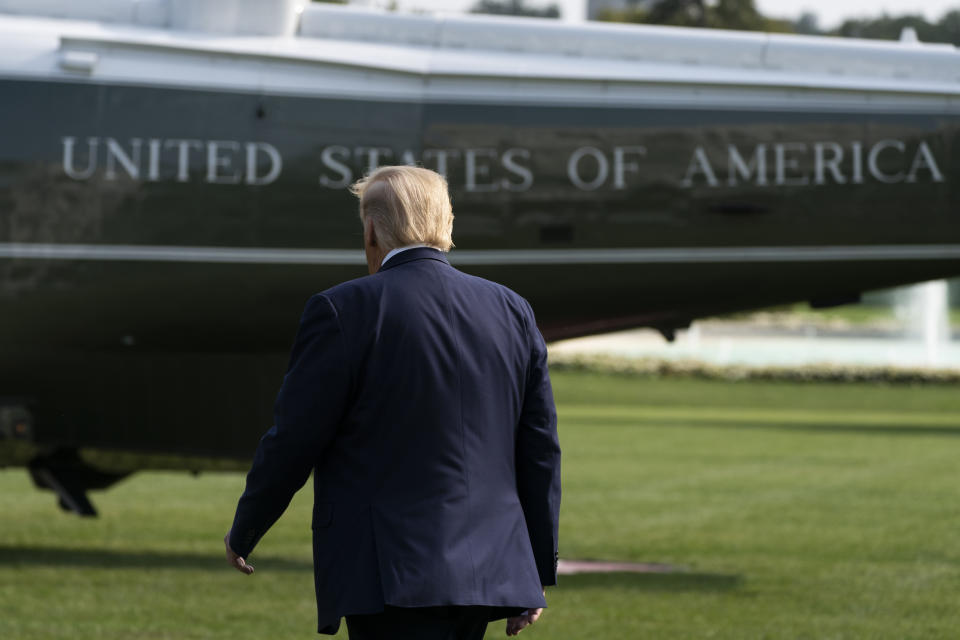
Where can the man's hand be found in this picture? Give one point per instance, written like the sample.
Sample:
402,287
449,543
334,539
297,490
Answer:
516,624
234,560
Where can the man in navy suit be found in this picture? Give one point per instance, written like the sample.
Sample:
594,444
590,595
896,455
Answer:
419,397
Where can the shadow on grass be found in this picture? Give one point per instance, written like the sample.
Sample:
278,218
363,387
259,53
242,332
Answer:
653,581
121,559
11,556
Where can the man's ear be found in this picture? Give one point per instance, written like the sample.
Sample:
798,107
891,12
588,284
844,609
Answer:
371,234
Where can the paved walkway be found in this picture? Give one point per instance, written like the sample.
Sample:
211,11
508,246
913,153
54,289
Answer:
570,567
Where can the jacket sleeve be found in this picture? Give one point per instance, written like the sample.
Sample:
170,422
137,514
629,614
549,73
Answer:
307,412
538,459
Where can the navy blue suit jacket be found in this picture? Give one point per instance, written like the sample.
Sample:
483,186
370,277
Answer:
420,398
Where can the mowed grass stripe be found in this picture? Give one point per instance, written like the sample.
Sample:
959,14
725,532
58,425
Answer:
744,416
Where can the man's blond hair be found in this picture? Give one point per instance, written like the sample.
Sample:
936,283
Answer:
406,205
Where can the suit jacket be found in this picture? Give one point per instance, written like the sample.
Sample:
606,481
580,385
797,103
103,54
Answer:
420,398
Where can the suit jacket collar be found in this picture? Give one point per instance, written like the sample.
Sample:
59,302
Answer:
420,253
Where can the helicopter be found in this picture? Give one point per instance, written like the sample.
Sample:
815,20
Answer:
174,185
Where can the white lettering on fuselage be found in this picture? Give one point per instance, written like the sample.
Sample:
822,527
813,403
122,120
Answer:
886,162
492,169
179,159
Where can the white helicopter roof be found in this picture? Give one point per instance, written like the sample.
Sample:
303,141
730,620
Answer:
278,45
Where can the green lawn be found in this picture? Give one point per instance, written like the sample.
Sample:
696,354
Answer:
791,511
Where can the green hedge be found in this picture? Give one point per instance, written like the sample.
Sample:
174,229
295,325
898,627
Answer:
660,368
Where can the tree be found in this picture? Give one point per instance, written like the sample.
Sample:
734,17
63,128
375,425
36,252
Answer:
888,28
950,27
687,13
737,14
514,8
808,24
680,13
722,14
946,29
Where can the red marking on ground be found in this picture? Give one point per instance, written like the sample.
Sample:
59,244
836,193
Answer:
569,567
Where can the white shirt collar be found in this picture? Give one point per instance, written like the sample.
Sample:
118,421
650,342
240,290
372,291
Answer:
394,252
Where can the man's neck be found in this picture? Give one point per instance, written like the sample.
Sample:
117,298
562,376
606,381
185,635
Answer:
394,252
